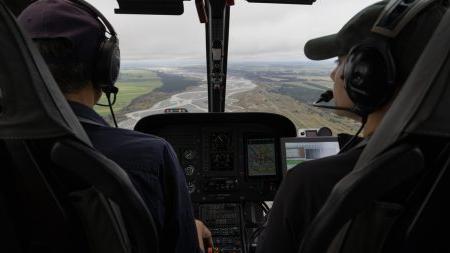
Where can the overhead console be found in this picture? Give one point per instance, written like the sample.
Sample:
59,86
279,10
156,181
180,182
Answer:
232,163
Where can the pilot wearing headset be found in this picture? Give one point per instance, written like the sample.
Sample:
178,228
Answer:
376,50
82,51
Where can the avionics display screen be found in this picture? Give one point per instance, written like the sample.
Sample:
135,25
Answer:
261,157
298,150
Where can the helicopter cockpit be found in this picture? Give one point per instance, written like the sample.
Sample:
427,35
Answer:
234,162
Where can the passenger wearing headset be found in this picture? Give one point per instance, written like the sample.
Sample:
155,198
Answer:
376,50
81,49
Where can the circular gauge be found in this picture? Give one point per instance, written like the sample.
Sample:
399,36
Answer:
191,187
189,170
222,162
189,154
221,141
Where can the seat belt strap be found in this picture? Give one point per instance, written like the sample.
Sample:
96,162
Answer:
89,121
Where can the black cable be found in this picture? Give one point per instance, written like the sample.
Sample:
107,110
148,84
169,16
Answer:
255,234
259,227
108,97
265,206
107,105
350,143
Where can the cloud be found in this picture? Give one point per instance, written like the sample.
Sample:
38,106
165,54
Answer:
258,31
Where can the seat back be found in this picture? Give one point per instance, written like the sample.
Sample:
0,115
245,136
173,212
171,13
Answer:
422,230
394,195
9,239
58,193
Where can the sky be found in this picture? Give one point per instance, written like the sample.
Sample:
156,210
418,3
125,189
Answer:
258,32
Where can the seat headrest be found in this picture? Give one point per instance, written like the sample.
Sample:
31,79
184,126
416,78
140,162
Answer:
422,105
31,104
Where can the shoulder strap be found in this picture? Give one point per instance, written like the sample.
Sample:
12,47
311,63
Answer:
89,121
361,144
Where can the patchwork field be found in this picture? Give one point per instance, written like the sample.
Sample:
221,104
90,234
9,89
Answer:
132,84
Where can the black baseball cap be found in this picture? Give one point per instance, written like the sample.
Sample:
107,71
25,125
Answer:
406,47
64,19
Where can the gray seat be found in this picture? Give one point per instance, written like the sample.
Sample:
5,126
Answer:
395,199
57,194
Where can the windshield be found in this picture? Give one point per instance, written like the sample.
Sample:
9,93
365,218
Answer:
164,70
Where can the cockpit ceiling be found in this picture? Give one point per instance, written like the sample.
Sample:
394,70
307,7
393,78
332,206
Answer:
283,1
176,7
153,7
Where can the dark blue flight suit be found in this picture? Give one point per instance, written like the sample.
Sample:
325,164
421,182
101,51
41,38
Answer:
154,169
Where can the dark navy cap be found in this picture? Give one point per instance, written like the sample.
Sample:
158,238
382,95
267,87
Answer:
53,19
406,47
354,32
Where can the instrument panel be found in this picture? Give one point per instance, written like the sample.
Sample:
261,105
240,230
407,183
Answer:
232,163
227,164
225,156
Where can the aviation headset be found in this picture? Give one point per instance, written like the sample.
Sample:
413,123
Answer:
370,70
107,64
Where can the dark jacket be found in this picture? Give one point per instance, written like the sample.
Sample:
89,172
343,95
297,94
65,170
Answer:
153,167
300,197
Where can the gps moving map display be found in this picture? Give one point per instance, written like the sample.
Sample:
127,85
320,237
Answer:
261,157
298,150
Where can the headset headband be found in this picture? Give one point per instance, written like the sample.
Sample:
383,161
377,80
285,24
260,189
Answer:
100,16
397,14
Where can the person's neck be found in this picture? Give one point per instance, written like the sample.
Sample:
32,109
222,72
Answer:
373,120
84,100
86,96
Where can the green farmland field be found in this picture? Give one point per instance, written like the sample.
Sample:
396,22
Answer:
131,84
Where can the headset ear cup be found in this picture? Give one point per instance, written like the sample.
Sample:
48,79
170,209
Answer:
369,76
108,63
114,63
